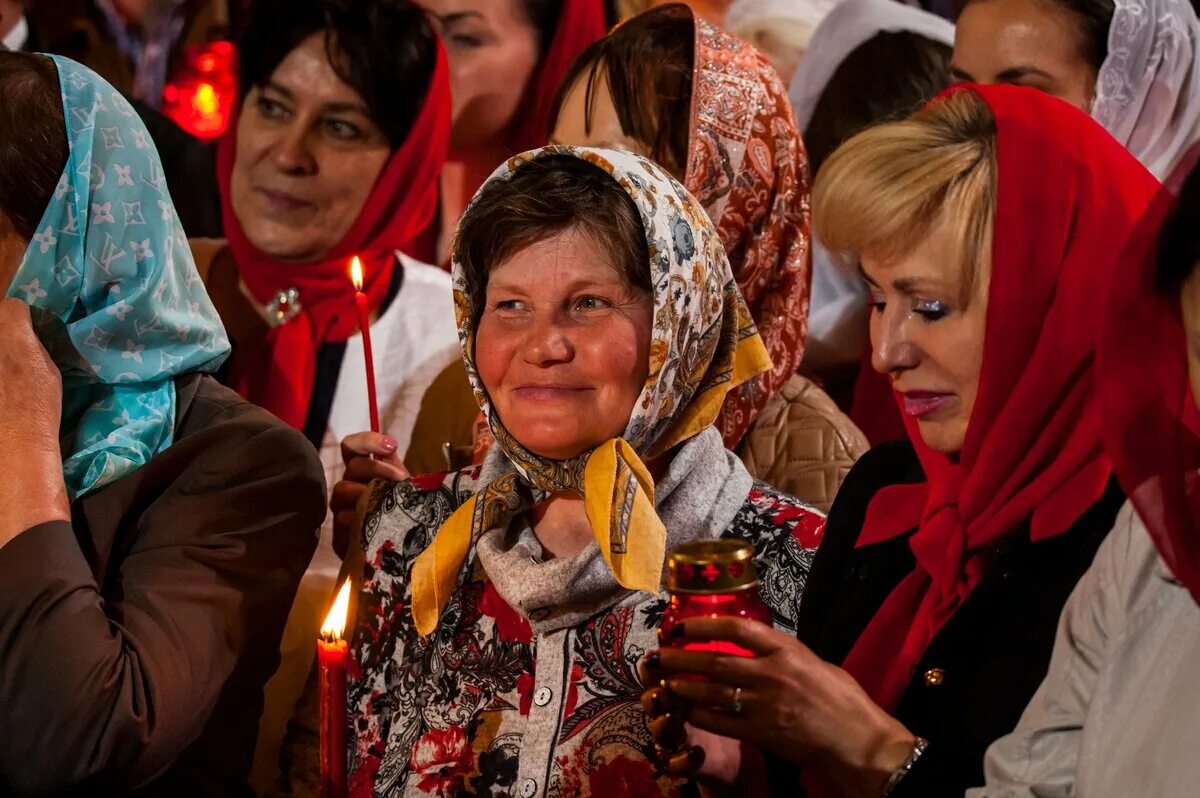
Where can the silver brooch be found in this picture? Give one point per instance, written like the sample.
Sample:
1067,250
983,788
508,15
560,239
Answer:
284,307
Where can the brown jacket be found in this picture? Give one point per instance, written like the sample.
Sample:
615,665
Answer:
136,639
802,444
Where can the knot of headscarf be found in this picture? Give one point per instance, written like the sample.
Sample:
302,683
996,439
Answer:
1032,461
703,344
114,293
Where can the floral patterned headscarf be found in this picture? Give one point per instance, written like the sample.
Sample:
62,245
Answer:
114,293
703,344
748,168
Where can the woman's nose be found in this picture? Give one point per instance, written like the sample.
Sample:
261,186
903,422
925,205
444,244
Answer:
293,151
892,350
547,343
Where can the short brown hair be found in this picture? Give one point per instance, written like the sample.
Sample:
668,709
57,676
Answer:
544,197
33,138
647,63
885,190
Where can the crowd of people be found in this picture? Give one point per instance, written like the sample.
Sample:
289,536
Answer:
902,298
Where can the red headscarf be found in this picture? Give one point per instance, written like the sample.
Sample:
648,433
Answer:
1151,425
1068,198
398,214
747,166
580,23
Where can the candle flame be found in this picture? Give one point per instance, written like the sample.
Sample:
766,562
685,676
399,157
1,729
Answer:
335,621
356,275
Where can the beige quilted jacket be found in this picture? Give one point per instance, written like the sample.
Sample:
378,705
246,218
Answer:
802,444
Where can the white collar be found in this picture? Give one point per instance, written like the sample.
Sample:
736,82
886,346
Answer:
16,38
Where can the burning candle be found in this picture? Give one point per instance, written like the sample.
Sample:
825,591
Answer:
332,654
364,325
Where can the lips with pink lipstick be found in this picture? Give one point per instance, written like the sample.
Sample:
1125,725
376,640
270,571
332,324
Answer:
920,404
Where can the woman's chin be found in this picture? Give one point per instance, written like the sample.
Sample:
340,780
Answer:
558,447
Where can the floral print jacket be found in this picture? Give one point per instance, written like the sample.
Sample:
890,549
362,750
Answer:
487,707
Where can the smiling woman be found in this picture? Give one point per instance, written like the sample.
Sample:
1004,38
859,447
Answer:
335,152
601,328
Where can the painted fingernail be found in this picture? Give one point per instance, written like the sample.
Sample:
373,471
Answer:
677,630
653,660
388,444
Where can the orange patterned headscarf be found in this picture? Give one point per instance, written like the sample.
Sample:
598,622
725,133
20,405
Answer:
747,166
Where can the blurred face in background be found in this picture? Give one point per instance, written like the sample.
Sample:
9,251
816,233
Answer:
1190,304
308,155
1035,43
493,50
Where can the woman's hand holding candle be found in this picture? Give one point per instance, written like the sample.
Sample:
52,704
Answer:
790,702
368,456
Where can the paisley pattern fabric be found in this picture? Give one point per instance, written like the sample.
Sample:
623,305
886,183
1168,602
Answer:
703,344
495,706
113,291
748,168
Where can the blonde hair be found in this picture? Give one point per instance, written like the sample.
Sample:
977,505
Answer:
890,187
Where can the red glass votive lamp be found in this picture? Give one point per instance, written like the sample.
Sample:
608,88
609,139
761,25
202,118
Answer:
711,579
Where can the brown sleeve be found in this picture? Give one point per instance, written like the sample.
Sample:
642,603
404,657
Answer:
106,685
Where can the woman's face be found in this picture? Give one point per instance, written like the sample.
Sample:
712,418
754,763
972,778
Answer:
605,129
563,346
308,155
1032,43
927,338
493,49
1190,301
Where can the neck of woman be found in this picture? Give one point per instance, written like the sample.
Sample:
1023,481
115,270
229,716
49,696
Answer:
561,525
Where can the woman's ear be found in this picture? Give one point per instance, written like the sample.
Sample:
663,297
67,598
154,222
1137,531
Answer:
12,250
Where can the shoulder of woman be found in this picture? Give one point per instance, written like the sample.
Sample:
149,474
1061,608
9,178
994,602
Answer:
391,510
771,514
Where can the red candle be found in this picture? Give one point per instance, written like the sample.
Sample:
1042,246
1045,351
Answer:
332,655
711,579
364,325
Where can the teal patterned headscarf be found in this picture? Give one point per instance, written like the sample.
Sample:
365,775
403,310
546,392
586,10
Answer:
113,290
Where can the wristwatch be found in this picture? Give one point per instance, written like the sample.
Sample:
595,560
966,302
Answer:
919,746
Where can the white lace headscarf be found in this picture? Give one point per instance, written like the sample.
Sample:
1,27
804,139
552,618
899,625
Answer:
1148,89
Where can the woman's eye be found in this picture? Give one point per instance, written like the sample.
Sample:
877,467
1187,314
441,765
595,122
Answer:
931,309
342,130
269,108
591,303
875,301
509,305
462,41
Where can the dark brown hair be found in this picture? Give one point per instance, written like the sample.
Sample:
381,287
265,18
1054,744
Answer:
647,63
885,78
383,49
542,198
33,138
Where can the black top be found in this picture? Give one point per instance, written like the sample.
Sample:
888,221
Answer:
135,640
984,665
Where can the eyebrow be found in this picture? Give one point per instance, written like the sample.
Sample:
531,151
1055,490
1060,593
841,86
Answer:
458,16
905,285
580,284
357,108
1020,71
